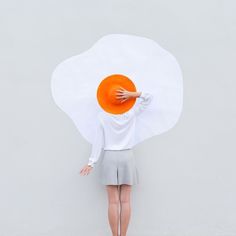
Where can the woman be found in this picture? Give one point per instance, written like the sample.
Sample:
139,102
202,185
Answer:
115,135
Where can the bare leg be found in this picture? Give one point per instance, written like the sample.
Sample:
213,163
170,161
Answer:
125,210
113,208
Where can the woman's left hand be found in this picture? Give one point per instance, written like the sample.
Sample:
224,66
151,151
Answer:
86,170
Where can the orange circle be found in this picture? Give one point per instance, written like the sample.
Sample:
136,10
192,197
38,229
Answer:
106,94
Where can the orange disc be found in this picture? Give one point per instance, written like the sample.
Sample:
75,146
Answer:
106,94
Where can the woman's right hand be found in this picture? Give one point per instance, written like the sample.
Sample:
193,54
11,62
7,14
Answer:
86,170
124,94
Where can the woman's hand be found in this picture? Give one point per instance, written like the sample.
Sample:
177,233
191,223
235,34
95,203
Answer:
124,94
86,170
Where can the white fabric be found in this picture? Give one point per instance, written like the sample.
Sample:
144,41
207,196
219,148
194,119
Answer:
117,132
75,81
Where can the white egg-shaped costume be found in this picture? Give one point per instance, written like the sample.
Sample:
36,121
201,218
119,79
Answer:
75,81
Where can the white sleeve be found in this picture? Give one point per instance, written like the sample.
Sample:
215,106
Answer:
97,145
143,104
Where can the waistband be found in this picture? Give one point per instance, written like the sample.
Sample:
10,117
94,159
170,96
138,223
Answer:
118,150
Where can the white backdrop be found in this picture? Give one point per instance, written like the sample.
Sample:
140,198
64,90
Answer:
187,175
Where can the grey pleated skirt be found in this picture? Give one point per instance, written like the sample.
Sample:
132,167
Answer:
118,167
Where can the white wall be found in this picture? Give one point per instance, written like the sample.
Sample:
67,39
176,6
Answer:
187,176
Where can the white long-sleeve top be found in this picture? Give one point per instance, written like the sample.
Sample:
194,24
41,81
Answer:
116,132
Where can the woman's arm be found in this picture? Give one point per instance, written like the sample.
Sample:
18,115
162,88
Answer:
145,97
97,146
